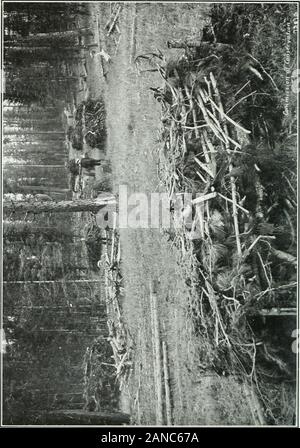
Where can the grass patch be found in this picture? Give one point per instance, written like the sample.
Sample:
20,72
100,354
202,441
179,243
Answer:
101,391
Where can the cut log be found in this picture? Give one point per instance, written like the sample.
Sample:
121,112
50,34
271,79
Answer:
113,23
204,198
278,312
254,405
41,282
72,417
167,384
284,256
157,356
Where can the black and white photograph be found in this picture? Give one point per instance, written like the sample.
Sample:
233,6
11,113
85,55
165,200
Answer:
149,215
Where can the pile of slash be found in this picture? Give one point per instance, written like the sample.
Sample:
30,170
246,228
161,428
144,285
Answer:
118,337
224,230
108,360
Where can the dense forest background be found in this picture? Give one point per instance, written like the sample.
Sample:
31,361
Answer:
53,305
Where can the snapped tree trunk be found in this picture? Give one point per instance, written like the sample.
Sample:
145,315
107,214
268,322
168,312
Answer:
25,165
80,205
22,230
39,50
71,417
25,132
44,38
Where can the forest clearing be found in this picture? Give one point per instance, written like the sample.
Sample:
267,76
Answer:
191,323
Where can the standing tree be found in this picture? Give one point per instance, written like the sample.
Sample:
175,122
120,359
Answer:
79,205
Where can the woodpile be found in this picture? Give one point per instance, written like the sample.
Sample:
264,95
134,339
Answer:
121,353
112,29
203,151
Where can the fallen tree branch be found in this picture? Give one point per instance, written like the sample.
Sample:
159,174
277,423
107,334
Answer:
167,384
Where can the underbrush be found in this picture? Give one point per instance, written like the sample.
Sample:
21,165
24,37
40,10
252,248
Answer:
267,33
89,125
101,390
228,138
94,240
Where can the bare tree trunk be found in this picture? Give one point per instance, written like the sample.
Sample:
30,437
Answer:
72,417
80,205
22,132
156,356
39,188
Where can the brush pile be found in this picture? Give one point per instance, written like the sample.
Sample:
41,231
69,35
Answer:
89,125
118,335
238,230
